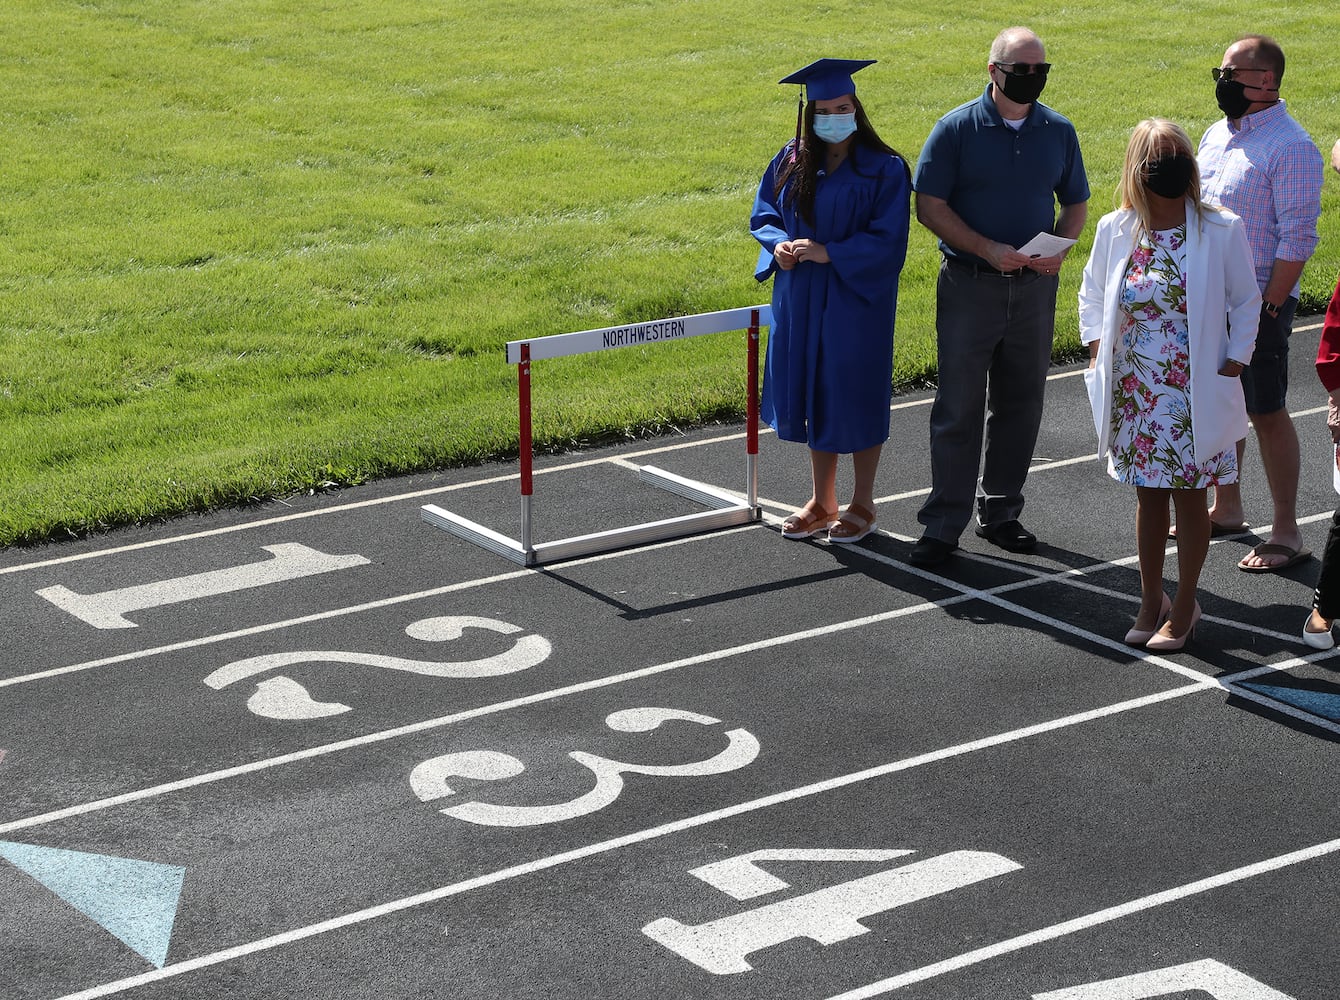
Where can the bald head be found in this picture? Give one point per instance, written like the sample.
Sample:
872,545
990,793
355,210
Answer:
1011,40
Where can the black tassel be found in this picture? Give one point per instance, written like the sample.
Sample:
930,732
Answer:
800,118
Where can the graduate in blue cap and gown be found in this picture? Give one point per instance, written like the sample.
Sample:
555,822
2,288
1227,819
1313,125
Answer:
832,215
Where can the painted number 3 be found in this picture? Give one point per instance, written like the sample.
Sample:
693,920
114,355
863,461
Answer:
430,780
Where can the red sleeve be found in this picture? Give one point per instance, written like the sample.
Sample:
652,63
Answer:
1328,351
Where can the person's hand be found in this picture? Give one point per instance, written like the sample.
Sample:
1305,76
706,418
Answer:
784,254
1333,416
1045,265
1231,368
809,250
1004,257
1335,156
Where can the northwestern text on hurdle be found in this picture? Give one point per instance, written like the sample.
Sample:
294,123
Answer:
643,333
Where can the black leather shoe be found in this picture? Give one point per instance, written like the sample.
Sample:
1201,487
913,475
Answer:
1009,535
930,551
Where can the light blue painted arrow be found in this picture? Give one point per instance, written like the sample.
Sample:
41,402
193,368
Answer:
1319,703
135,900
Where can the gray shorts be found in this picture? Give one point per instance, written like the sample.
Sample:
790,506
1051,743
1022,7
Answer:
1266,380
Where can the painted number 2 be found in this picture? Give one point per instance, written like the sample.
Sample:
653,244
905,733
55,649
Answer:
284,698
430,780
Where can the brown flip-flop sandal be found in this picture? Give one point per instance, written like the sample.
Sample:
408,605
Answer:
1292,557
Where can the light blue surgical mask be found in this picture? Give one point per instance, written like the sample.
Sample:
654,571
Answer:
834,128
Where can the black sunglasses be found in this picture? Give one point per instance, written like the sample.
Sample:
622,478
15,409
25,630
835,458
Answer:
1024,69
1227,73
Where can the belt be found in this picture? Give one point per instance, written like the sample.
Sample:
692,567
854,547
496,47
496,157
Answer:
985,270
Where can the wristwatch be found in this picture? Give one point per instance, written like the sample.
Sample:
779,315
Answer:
1271,309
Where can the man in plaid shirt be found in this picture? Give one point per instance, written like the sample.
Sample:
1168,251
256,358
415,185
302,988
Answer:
1261,165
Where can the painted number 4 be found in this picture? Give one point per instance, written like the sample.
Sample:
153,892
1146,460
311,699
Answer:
834,914
826,916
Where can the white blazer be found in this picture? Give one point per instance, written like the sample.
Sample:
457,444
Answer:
1223,308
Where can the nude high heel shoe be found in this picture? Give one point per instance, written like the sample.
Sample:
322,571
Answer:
1161,643
1140,636
1318,640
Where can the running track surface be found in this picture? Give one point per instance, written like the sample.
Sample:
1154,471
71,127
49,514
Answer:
323,749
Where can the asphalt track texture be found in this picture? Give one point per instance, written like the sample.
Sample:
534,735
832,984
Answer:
722,766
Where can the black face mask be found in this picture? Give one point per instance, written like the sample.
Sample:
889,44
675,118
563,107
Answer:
1023,89
1232,100
1170,176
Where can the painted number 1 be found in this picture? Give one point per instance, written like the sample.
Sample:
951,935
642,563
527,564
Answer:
108,609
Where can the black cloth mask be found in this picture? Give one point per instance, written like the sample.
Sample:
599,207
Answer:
1023,89
1232,99
1170,176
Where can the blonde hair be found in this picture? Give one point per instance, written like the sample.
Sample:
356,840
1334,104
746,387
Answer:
1151,137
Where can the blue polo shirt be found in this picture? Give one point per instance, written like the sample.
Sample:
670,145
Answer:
1003,183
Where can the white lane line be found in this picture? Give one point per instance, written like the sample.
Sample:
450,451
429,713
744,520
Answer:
209,640
965,594
1059,463
1091,920
537,698
491,480
1226,684
642,836
385,602
359,505
1038,577
202,641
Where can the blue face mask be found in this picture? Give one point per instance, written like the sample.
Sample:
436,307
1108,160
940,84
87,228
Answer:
834,128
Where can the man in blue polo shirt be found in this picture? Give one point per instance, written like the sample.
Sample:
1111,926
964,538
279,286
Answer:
988,181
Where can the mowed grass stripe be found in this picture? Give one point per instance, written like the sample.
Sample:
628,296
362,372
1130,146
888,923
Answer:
258,247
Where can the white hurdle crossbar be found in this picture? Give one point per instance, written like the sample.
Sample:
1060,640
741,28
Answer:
725,509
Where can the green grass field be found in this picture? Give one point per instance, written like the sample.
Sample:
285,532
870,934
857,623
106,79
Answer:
253,247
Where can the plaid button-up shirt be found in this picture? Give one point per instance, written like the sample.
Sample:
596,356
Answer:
1269,172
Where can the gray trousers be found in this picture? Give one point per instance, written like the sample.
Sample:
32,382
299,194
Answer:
994,337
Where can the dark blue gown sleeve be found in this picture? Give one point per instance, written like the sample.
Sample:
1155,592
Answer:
767,222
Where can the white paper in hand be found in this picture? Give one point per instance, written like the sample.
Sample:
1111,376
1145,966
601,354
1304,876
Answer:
1046,245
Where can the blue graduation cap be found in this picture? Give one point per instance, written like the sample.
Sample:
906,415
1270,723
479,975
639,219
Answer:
825,79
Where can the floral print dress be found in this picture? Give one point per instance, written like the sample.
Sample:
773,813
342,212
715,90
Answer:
1151,375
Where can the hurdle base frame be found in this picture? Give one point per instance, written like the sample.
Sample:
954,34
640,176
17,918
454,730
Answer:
727,510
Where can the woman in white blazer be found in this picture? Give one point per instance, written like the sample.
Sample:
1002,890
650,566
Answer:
1168,307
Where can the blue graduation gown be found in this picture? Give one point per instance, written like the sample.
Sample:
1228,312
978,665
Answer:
828,375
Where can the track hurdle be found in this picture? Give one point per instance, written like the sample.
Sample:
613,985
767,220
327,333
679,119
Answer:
725,509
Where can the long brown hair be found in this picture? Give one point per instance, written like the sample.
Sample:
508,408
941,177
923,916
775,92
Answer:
802,170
